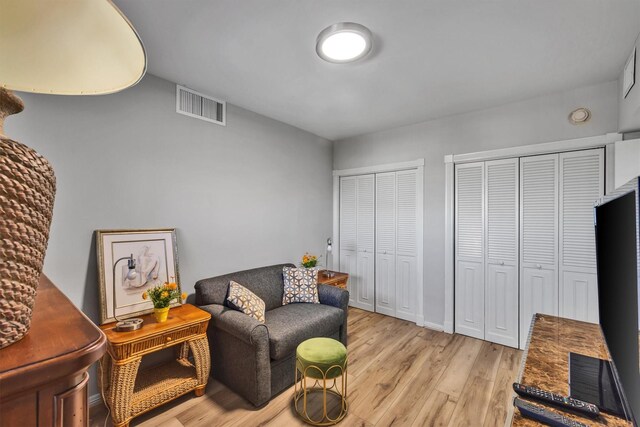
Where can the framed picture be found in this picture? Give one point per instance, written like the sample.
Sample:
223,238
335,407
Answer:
629,74
156,261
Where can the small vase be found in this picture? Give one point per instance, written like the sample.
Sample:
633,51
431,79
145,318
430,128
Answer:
161,314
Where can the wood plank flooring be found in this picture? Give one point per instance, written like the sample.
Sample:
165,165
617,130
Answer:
399,375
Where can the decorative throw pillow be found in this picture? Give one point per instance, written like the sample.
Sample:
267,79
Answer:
300,285
242,299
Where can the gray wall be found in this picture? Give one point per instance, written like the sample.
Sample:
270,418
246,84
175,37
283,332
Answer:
253,193
542,119
629,120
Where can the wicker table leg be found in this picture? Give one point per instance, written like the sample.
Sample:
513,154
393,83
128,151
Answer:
123,379
182,350
104,376
202,359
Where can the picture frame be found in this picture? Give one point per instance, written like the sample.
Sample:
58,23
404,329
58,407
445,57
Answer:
155,253
629,74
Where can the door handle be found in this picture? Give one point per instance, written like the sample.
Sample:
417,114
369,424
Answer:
384,252
501,262
538,266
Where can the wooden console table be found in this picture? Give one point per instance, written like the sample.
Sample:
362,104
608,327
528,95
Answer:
130,392
338,279
43,377
545,363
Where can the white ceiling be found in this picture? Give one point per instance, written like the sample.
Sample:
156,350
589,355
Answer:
430,58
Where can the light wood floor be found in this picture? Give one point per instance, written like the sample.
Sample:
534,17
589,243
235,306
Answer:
399,375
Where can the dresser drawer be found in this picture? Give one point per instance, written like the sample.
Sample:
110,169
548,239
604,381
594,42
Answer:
342,284
334,278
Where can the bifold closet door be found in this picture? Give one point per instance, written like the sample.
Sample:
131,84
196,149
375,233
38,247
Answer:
469,249
538,239
348,232
581,184
406,245
386,243
501,254
365,237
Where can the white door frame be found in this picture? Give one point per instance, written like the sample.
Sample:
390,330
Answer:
601,141
418,165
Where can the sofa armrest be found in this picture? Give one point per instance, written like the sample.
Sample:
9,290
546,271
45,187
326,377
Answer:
339,298
239,347
333,296
238,324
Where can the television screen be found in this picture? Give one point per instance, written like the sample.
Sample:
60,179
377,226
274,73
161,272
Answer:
617,227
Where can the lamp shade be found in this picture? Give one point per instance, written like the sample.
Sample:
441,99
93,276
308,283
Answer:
65,47
68,47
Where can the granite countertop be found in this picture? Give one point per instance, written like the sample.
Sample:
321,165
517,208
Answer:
546,362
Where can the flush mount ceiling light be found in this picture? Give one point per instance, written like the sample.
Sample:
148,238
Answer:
343,42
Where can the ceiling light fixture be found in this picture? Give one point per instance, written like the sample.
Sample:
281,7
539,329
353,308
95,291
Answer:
343,42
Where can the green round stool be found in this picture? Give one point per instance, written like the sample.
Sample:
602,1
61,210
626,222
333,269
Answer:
321,361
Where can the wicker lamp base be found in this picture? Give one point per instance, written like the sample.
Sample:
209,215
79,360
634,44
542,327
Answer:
27,191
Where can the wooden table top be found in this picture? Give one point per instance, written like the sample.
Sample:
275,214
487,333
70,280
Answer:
546,362
179,317
326,280
61,341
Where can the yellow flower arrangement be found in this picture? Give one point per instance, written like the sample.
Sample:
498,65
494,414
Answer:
161,296
309,261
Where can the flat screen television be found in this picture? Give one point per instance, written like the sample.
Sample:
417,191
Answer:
617,227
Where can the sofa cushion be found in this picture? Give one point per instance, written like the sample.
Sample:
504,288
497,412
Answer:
291,324
246,301
265,282
300,285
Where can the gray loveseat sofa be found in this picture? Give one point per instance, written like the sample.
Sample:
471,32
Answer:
258,360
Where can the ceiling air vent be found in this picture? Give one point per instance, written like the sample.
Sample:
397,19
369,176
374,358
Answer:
195,104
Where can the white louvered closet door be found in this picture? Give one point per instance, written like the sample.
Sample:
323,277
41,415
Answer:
386,243
581,184
406,245
365,237
348,232
501,254
538,239
469,249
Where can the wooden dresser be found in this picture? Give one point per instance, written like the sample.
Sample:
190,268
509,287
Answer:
338,279
545,363
43,377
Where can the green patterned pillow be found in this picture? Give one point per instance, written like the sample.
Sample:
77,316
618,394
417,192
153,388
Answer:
300,285
244,300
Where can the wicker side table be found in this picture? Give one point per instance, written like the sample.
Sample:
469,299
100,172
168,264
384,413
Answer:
129,391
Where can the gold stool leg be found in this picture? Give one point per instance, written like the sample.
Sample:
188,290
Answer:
304,391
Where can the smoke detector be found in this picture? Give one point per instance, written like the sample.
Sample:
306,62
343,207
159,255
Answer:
579,116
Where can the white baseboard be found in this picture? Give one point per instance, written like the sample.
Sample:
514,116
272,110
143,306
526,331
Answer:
420,320
448,327
95,400
435,326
